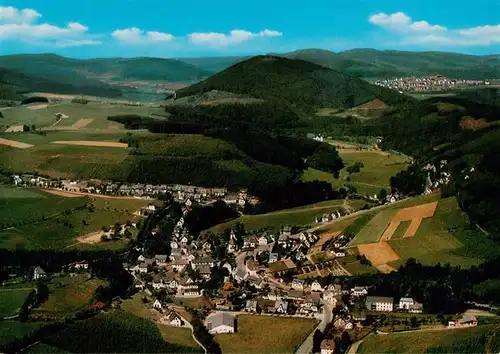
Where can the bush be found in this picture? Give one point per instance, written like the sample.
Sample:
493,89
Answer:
35,99
80,100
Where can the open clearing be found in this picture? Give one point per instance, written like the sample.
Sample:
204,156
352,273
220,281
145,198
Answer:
13,143
68,298
414,214
300,216
375,227
266,334
93,237
92,143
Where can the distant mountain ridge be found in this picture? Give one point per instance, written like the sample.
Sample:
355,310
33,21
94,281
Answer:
372,63
83,71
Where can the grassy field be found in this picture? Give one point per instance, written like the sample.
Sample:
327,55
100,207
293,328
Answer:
301,216
70,297
11,301
266,334
401,229
353,266
470,340
59,229
12,330
174,335
378,168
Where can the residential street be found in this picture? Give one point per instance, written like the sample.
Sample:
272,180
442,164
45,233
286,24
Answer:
327,316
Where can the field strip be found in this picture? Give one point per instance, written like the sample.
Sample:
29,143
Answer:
82,123
13,143
14,129
37,107
414,214
378,253
92,143
413,228
62,193
81,194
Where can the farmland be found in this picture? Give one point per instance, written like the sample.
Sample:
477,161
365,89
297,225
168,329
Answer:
58,160
42,220
45,117
266,334
468,340
427,228
302,216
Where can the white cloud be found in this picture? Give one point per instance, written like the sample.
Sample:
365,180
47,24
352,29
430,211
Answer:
154,36
421,32
9,14
236,36
21,25
135,35
399,21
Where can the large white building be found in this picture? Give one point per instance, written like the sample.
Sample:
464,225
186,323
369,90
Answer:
379,303
220,323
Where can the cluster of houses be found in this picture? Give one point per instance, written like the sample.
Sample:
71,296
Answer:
427,83
437,176
180,193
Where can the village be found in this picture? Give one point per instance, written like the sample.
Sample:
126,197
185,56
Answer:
429,83
180,193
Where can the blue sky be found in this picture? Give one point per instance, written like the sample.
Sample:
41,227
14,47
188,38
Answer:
167,28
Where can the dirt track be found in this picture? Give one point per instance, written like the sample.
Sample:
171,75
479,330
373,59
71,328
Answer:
13,143
37,107
62,193
93,237
92,143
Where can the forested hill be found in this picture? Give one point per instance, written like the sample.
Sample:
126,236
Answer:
303,84
13,84
80,72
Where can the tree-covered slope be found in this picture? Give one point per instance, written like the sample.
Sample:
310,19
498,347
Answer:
303,84
14,83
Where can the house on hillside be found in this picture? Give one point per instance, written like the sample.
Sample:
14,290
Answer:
220,322
39,273
281,306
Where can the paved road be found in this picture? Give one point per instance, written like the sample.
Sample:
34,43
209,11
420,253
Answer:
327,316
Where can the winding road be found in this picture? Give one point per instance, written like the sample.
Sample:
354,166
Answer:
327,316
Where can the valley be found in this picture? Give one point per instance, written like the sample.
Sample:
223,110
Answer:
199,204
